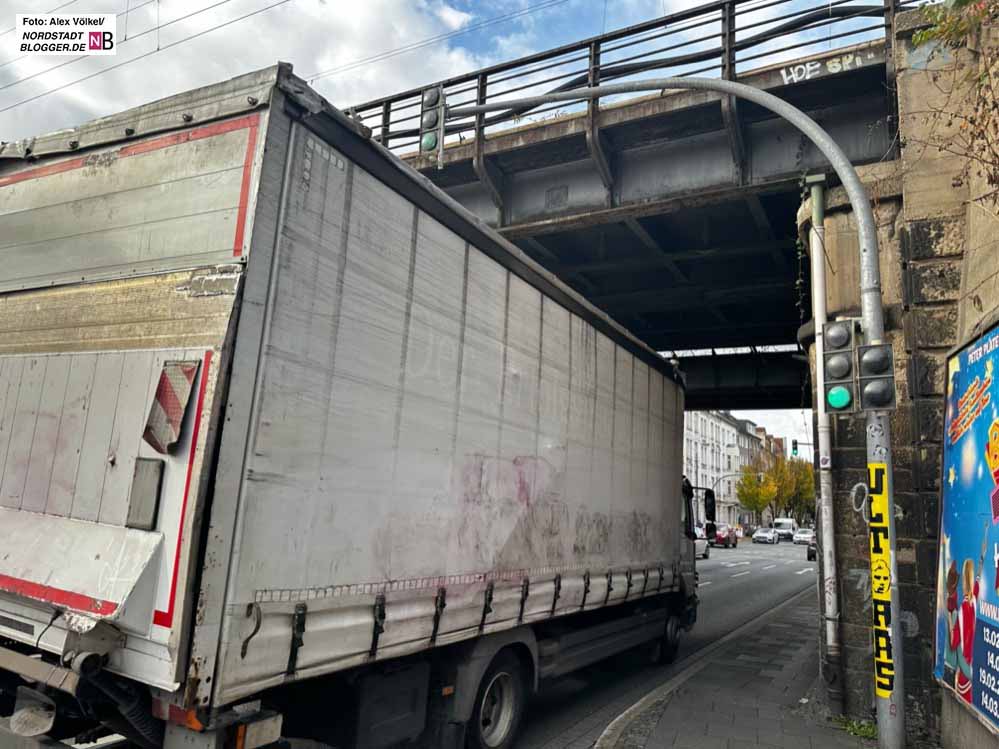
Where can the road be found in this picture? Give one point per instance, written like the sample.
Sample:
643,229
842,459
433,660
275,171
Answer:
737,585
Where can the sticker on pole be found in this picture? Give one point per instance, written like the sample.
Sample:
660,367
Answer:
967,605
66,34
881,582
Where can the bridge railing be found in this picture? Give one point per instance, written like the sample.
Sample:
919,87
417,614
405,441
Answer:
724,38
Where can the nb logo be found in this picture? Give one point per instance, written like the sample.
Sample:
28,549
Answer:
100,40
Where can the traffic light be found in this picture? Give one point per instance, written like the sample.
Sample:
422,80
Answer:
839,340
877,377
794,448
432,119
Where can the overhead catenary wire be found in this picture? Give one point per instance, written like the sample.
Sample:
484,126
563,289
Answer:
165,47
387,54
21,57
58,7
135,36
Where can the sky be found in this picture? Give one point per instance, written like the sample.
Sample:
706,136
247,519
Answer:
790,423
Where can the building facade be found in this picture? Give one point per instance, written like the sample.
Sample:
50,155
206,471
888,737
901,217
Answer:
716,447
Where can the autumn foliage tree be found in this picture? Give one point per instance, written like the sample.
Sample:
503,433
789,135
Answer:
755,489
786,487
801,500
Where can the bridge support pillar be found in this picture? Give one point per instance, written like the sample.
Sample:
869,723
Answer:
940,280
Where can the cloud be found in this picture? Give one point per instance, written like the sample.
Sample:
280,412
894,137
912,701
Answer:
314,35
453,18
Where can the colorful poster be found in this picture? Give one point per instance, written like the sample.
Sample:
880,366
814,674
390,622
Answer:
967,619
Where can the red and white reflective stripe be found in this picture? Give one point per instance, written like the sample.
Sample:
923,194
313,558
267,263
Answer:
57,596
163,618
167,412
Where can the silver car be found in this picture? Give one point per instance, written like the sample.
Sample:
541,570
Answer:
803,536
766,536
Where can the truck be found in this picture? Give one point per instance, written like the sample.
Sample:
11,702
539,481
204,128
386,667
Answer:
293,447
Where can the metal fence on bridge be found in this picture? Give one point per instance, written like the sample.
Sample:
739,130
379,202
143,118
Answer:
719,39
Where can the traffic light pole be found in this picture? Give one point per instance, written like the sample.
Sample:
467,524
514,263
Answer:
832,667
889,685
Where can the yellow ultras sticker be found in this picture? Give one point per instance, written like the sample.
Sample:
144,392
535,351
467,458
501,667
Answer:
884,665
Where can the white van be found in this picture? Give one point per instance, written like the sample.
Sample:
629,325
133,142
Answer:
785,527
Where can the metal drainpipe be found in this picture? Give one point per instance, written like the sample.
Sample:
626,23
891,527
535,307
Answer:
832,668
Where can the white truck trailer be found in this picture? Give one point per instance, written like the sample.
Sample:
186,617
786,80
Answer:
292,445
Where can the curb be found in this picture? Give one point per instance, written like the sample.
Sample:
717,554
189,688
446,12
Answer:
697,662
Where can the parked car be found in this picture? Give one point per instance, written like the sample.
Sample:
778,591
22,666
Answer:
701,546
803,535
786,527
748,530
813,550
725,536
766,536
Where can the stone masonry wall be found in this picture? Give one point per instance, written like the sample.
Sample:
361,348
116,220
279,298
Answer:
939,252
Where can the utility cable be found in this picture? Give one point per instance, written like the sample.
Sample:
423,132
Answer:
58,7
21,57
135,36
144,55
434,39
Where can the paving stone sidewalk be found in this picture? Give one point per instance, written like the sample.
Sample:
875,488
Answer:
748,695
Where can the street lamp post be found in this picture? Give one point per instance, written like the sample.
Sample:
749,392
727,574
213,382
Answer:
891,695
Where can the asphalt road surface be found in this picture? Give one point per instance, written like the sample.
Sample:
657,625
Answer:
736,586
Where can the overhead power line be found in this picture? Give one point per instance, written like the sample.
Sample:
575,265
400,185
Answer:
58,7
21,57
145,54
434,39
134,36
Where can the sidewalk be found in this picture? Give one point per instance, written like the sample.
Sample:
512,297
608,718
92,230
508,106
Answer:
746,694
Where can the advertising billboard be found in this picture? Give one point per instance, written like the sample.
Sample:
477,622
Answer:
967,606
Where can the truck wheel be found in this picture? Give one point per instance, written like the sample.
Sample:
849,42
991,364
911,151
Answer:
499,706
670,641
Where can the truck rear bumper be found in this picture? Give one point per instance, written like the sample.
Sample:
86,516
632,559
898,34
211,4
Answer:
9,740
37,670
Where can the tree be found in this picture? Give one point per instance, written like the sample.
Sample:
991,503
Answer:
966,124
801,501
755,495
782,477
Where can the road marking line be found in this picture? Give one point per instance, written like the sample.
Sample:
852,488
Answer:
770,566
802,572
740,574
789,561
736,564
703,583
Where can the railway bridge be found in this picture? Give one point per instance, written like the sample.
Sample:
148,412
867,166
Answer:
679,213
673,212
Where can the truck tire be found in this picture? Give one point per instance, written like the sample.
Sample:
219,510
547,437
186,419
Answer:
499,705
670,644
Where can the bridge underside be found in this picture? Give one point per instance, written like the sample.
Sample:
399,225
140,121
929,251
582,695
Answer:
676,213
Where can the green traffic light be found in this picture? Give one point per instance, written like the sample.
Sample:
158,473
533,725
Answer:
428,142
839,397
